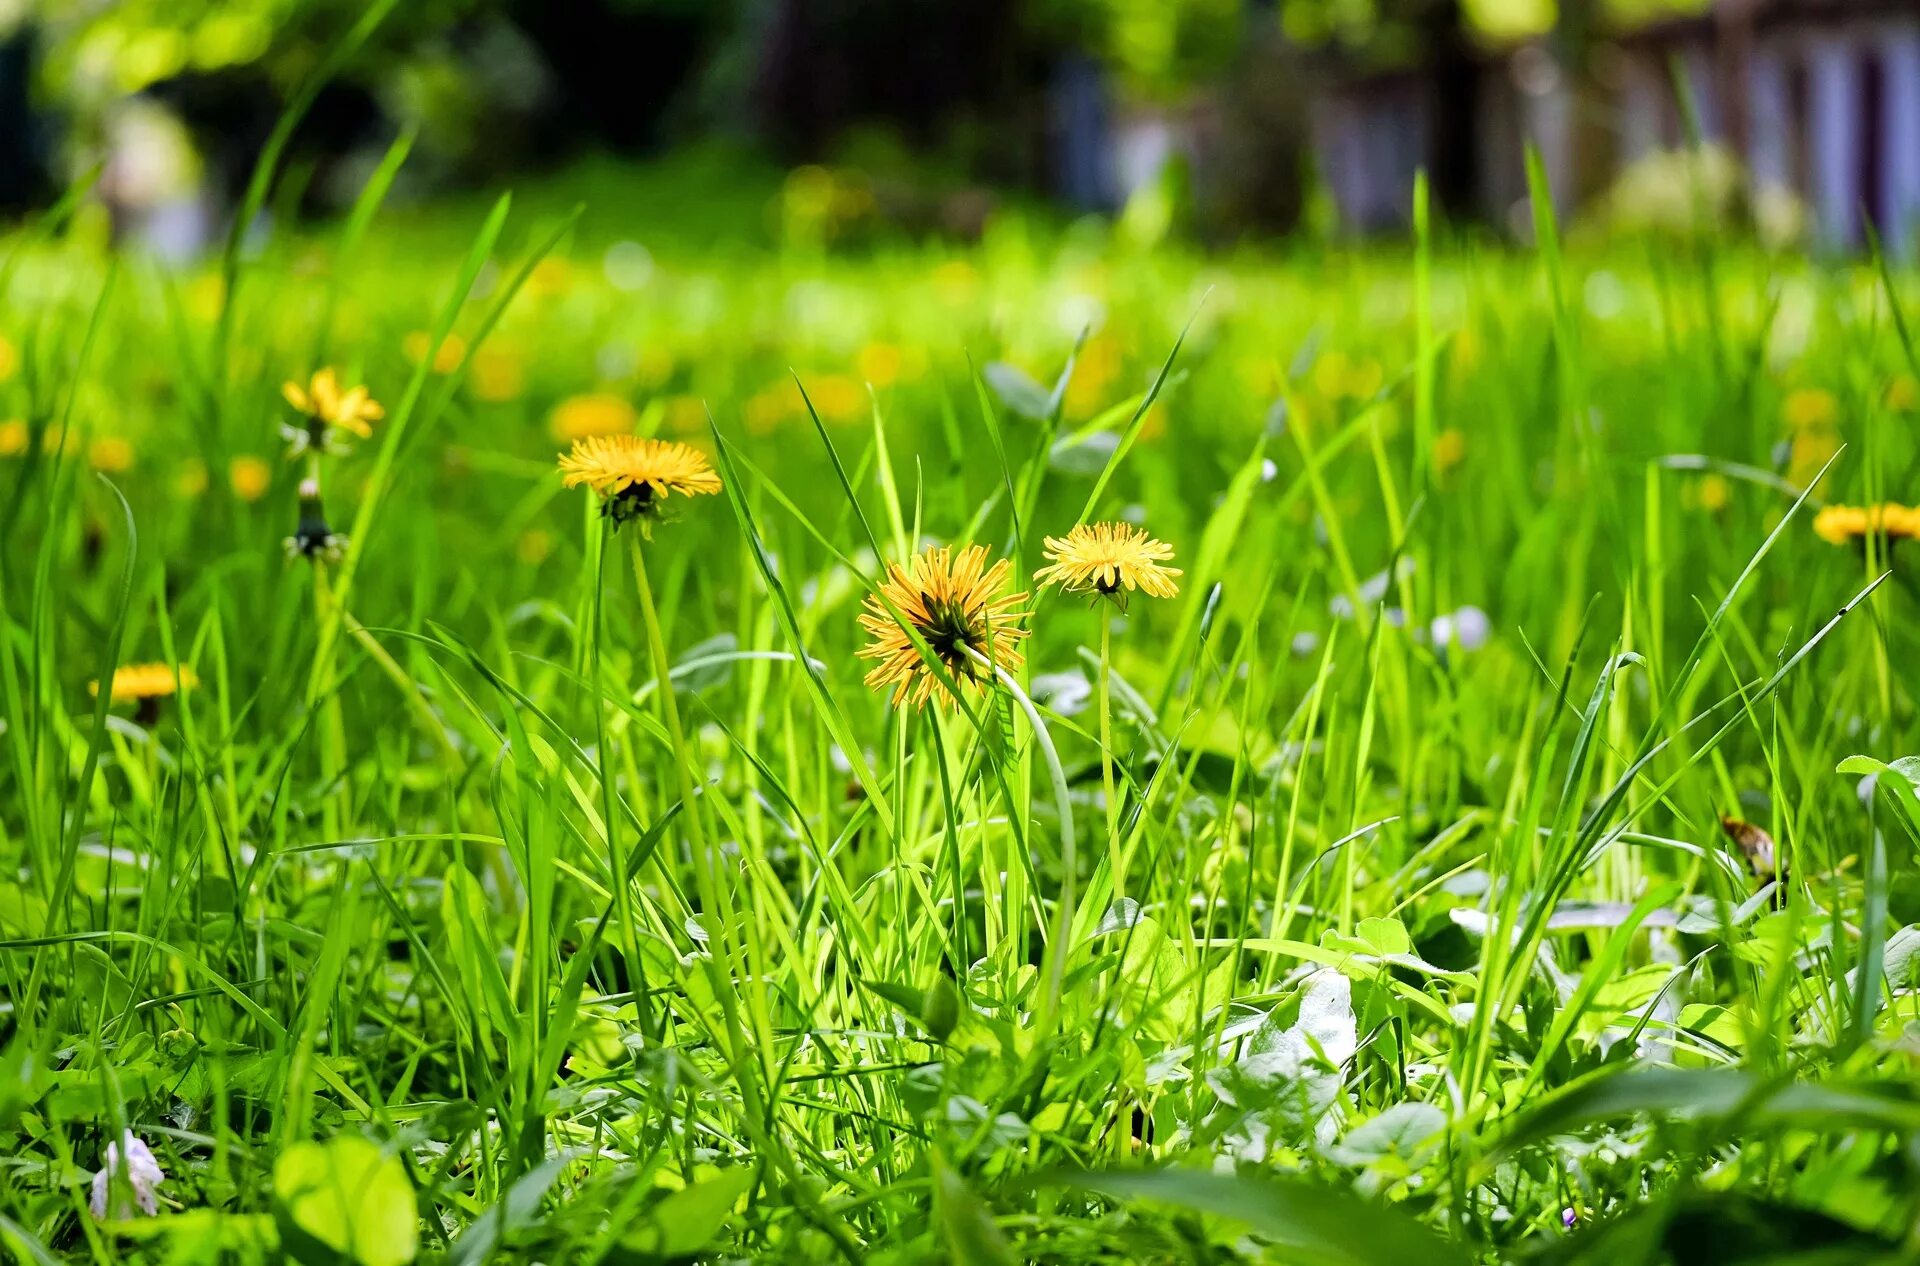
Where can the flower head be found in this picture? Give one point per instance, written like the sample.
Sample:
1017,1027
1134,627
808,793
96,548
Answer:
1841,524
312,537
635,476
954,602
331,414
1112,559
130,1166
133,683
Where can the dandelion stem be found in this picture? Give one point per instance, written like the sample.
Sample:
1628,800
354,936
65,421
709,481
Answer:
1116,864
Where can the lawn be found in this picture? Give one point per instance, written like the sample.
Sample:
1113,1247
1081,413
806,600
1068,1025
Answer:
484,868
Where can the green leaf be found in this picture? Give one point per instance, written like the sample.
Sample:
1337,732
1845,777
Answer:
1315,1224
1406,1130
345,1198
692,1217
1020,393
1387,936
966,1223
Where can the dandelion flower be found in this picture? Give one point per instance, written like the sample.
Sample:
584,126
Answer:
635,476
312,538
14,437
329,411
250,477
453,350
131,1168
110,455
1809,407
135,683
955,603
1112,559
582,417
1839,525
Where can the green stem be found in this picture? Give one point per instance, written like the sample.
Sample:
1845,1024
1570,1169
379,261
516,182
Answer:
1116,864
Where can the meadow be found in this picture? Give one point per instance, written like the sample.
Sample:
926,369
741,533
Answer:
472,874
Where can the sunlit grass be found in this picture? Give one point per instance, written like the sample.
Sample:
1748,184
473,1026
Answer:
493,876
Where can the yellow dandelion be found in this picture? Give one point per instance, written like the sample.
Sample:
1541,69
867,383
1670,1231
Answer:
551,276
954,601
879,364
9,359
328,408
1808,453
14,437
1713,493
685,414
634,476
766,410
250,477
453,350
533,546
1903,394
110,455
1839,525
134,682
583,417
497,374
837,397
1112,559
1807,407
1449,449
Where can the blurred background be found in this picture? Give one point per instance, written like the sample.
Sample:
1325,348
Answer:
1795,121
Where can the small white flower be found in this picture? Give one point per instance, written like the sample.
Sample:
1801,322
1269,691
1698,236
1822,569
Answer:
130,1167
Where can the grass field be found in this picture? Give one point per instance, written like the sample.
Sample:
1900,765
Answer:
1366,901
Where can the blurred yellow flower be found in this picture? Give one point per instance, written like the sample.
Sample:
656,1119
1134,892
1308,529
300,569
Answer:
110,455
1713,493
1330,373
1809,451
1808,407
453,349
766,410
191,479
327,407
1449,449
878,363
550,276
1840,524
147,681
1903,394
249,476
837,397
14,437
496,374
599,413
9,359
685,414
533,546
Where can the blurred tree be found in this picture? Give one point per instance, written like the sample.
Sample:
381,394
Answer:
1157,47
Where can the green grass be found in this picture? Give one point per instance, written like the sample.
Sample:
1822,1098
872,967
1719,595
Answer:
429,924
